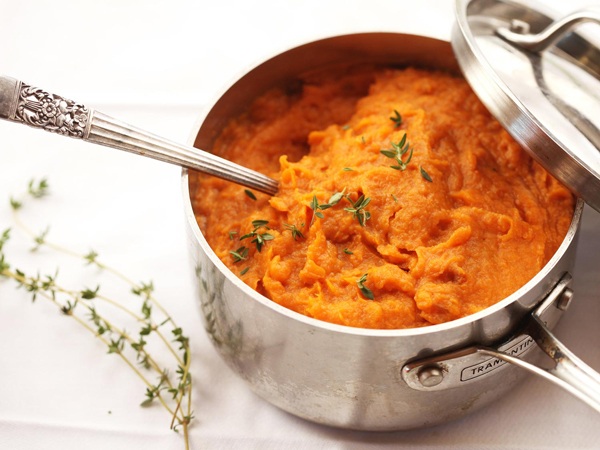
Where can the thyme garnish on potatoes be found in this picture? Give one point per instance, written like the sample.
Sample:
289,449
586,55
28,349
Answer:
397,152
397,119
250,194
259,238
314,205
240,254
368,293
296,233
358,210
85,305
425,175
333,200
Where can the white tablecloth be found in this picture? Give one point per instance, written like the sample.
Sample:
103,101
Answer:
154,64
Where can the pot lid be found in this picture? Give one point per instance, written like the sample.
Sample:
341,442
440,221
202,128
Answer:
540,80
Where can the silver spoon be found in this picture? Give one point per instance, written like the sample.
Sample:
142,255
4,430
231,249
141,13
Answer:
22,103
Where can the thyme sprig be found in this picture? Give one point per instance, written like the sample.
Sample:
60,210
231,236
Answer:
70,301
4,238
396,153
40,239
241,254
397,119
38,190
365,291
259,238
315,206
333,200
15,204
296,233
358,209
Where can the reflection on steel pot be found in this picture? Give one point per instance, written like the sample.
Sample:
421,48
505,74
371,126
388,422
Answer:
362,378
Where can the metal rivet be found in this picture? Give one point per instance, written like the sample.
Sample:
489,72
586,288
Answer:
430,376
519,27
564,301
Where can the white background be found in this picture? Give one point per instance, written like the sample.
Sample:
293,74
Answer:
154,64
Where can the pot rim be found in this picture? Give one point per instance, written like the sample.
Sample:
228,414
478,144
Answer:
404,332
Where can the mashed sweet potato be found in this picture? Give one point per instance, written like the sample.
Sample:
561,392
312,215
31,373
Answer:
432,251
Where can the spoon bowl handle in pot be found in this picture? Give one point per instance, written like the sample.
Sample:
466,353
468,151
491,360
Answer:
29,105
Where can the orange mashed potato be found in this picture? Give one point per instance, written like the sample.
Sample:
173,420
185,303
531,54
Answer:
432,251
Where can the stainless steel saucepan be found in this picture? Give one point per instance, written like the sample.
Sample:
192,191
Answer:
391,379
401,379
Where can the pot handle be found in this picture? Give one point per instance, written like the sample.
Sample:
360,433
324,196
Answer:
569,372
518,33
454,369
29,105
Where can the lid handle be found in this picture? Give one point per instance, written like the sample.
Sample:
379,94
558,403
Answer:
518,33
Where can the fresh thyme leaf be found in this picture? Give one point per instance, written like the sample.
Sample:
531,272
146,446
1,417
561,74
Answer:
397,119
425,175
296,233
40,190
151,394
363,139
240,254
146,309
346,127
397,151
245,270
116,346
394,197
250,194
231,234
314,205
91,257
4,238
3,264
88,294
260,223
40,239
15,204
388,153
348,252
401,145
335,198
259,238
144,288
69,307
348,169
363,289
409,156
358,211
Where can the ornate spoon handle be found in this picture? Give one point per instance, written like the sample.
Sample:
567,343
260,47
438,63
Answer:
22,103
